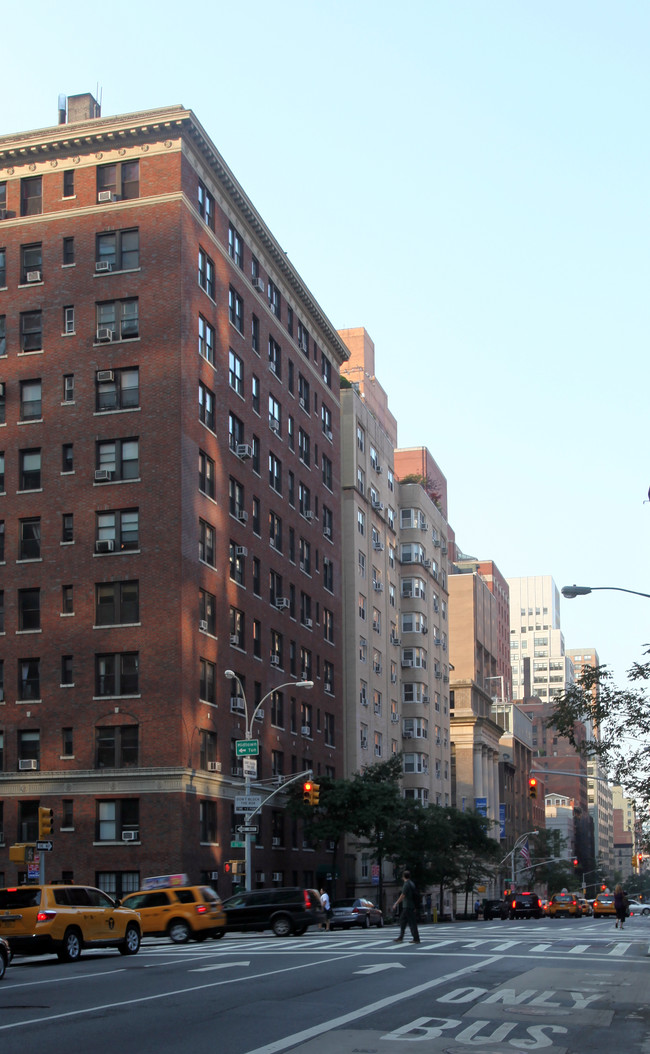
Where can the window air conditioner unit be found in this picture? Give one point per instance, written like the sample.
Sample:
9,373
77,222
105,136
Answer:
396,640
327,532
378,587
424,629
104,335
444,550
424,525
258,283
214,766
241,550
302,402
328,434
302,344
106,195
27,764
277,876
393,678
364,743
203,625
33,276
274,425
275,660
309,515
244,450
102,474
272,367
104,545
425,700
426,563
438,675
105,376
437,640
237,704
378,505
305,730
378,547
327,686
364,699
103,265
436,542
276,841
281,603
130,836
394,718
308,623
242,516
407,662
234,639
4,213
376,667
407,735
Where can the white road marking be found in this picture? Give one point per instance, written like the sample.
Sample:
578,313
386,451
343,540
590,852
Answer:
620,949
381,966
578,948
217,966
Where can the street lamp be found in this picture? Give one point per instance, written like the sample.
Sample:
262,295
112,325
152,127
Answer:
571,592
520,841
232,676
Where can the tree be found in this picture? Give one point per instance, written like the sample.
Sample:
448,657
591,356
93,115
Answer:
620,720
376,791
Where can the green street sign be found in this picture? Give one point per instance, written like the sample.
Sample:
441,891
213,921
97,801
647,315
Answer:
238,845
247,748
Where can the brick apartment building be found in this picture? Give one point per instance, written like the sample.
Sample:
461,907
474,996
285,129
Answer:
169,506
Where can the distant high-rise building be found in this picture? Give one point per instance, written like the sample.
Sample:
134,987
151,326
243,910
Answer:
540,666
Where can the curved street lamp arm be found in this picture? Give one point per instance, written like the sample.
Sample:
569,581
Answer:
571,592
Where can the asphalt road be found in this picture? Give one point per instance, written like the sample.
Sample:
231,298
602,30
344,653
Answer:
520,986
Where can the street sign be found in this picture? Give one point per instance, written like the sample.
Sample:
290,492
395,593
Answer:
250,767
247,748
248,828
247,802
238,845
44,847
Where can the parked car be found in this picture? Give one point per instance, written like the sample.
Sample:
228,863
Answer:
563,905
637,908
495,909
524,906
359,912
65,919
5,956
178,911
287,910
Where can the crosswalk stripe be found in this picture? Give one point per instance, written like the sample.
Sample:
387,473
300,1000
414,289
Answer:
541,947
578,948
620,949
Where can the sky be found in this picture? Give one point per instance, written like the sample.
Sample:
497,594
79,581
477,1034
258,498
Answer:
468,180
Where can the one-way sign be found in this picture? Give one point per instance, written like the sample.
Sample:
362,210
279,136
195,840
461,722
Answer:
44,847
248,828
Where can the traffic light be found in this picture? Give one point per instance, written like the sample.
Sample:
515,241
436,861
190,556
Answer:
575,861
45,822
306,792
227,867
315,793
238,867
532,787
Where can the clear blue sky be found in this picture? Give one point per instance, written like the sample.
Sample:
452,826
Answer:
469,181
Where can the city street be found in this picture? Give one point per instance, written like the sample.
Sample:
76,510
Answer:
558,986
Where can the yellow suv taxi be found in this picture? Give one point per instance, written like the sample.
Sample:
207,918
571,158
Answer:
563,905
169,907
64,919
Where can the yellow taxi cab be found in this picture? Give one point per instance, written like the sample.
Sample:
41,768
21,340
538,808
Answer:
564,905
65,919
604,905
585,906
169,906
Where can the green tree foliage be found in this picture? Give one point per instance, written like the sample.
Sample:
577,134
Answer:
621,718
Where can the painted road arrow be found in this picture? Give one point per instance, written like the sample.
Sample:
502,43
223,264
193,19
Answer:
218,966
381,966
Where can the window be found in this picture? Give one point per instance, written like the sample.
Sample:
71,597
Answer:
236,309
119,458
207,681
67,527
275,357
326,420
116,674
235,431
29,609
206,543
303,339
327,471
236,498
361,521
328,523
117,389
275,473
2,474
3,335
237,563
116,603
328,625
117,529
31,331
208,610
67,457
68,320
31,263
361,438
113,818
3,268
68,183
29,679
303,447
206,205
118,320
237,628
256,516
275,531
116,746
31,196
67,600
206,406
275,420
30,539
303,392
326,369
206,273
328,574
122,179
118,251
255,334
68,252
235,246
29,470
206,474
206,340
30,400
275,300
235,372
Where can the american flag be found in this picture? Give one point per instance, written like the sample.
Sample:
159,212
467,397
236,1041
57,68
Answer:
525,853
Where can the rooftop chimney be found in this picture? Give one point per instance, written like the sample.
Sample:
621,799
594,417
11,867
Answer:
80,108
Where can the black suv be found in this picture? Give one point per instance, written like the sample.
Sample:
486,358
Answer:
524,906
285,910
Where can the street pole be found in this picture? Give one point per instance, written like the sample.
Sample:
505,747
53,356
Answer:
248,838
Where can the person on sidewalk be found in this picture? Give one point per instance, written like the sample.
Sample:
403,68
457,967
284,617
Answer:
409,914
327,908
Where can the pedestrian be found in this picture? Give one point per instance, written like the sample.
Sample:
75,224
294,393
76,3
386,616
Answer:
477,907
409,914
327,908
620,906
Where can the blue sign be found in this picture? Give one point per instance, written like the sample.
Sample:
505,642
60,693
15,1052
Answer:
502,821
480,804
